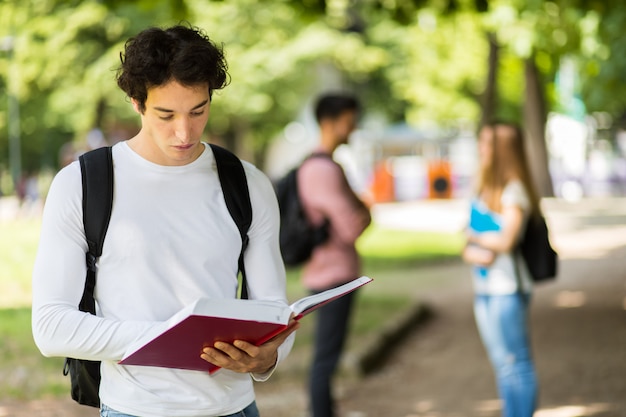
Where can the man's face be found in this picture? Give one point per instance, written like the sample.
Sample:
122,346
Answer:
173,123
343,126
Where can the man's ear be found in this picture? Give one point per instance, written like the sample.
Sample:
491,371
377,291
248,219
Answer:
136,105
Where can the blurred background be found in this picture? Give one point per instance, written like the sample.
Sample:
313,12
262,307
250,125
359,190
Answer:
428,72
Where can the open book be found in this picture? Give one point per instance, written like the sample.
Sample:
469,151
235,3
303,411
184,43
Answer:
178,343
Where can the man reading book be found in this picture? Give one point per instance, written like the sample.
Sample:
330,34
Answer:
170,241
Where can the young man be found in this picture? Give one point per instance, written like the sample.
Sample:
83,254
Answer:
170,241
326,194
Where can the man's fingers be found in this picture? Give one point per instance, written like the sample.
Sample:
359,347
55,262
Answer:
248,348
241,356
232,351
212,355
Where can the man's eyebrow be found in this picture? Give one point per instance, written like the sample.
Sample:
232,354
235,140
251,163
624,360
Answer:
161,109
200,105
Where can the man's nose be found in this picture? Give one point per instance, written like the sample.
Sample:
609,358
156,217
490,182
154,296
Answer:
183,129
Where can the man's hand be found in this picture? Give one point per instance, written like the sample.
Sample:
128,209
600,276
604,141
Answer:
244,357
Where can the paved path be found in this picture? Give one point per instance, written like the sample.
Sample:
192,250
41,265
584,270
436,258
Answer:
578,333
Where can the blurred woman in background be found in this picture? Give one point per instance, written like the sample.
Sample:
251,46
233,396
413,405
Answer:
505,199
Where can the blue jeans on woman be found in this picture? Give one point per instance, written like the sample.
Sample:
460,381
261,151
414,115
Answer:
503,326
249,411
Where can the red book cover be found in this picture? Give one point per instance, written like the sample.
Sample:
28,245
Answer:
178,343
167,351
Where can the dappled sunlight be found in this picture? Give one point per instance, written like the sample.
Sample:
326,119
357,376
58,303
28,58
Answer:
489,406
588,229
575,410
428,408
570,299
593,243
423,406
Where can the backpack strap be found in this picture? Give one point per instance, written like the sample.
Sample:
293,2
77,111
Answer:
97,177
96,169
237,196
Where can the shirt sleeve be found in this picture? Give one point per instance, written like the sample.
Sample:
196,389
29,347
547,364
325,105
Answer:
327,195
59,328
514,194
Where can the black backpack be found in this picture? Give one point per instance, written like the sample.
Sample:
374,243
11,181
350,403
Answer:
539,255
298,237
97,180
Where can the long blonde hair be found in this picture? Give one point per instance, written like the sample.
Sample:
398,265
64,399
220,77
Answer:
507,162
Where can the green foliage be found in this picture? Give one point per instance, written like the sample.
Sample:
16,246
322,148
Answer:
436,48
277,55
589,33
510,87
604,65
420,61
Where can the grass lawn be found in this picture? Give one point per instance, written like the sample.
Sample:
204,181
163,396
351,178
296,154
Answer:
391,257
18,243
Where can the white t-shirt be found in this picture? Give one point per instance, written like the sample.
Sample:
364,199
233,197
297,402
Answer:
170,241
501,277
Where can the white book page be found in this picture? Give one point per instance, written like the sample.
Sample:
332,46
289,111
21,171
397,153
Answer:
310,303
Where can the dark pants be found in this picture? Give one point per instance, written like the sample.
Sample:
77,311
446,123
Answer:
331,331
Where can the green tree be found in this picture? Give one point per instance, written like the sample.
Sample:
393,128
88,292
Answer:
68,51
63,50
420,61
275,54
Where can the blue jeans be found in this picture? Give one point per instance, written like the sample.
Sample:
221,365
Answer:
249,411
503,326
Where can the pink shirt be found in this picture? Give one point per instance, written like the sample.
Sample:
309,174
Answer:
325,193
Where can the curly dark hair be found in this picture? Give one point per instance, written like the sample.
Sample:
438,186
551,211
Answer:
182,53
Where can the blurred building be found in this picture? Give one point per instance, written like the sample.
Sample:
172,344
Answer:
394,163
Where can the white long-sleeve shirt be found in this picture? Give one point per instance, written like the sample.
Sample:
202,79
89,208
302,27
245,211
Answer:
170,241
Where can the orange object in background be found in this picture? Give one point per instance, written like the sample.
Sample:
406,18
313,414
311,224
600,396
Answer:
439,179
382,188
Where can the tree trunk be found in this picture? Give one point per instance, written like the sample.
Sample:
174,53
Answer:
490,95
535,126
100,113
